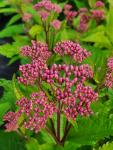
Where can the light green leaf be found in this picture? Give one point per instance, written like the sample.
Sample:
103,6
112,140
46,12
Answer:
35,30
32,144
107,146
8,10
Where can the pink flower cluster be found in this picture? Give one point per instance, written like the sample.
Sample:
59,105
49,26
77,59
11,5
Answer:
70,14
56,24
109,74
35,111
31,72
99,4
11,119
36,51
98,14
72,49
48,6
26,17
39,54
79,102
84,20
66,83
65,77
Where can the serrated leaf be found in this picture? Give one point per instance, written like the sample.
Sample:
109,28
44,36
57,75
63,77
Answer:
10,50
92,129
8,95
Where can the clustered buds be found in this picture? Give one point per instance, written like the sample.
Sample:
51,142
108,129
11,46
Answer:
26,17
56,24
72,49
98,14
48,6
84,15
31,72
36,51
109,74
35,111
70,14
11,119
65,81
67,77
99,4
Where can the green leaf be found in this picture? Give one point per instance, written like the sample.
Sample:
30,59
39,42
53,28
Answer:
91,3
12,30
80,3
92,129
32,144
8,10
10,50
109,29
14,19
107,146
8,95
35,30
4,107
17,91
3,3
99,38
11,141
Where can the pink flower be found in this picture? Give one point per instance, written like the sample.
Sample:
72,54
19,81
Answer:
48,6
31,72
68,97
36,111
12,121
43,14
56,24
99,4
72,49
68,7
98,14
109,74
26,17
83,10
36,51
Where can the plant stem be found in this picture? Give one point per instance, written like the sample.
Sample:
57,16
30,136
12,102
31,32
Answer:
51,133
53,128
66,133
58,121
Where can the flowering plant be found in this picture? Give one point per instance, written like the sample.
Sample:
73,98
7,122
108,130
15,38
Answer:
64,87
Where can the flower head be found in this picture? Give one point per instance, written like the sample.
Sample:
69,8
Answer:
109,74
36,51
99,4
26,17
12,121
48,6
56,24
72,49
